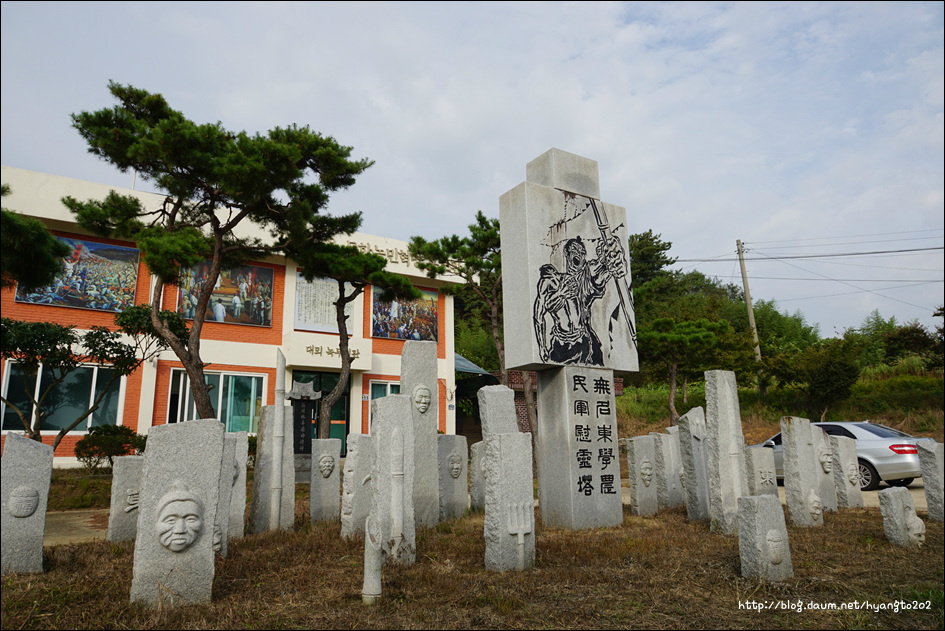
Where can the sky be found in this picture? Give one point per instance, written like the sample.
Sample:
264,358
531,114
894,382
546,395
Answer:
802,129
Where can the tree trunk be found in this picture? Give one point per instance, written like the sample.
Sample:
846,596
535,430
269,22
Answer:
326,403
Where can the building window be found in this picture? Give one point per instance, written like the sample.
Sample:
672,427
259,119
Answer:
237,399
381,389
67,401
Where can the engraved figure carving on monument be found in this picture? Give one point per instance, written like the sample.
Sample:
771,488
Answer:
775,543
646,472
422,398
326,464
132,499
915,529
23,501
455,464
180,518
565,298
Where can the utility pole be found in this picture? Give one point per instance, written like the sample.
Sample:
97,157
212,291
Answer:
751,315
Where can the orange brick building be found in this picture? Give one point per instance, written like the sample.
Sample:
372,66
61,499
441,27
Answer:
261,307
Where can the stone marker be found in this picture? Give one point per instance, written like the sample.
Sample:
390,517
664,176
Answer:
800,464
325,491
826,489
392,476
228,476
763,544
477,487
509,524
762,476
932,464
846,472
238,493
578,453
26,472
173,558
900,523
692,449
497,410
260,504
454,476
126,489
641,454
667,468
357,487
725,451
418,368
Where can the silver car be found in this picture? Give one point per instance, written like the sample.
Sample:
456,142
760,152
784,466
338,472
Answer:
883,453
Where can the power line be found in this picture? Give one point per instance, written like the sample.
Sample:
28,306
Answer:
764,257
849,236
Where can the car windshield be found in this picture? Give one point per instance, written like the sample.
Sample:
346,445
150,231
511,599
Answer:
884,432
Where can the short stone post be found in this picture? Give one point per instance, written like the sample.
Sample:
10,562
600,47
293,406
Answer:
763,539
454,476
126,489
641,453
846,472
325,490
692,448
800,465
900,523
27,469
932,465
762,476
725,450
356,486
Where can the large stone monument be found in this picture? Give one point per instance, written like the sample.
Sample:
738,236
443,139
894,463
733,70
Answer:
174,559
325,490
800,463
763,539
418,381
126,489
932,464
27,469
569,315
725,451
900,523
392,477
692,448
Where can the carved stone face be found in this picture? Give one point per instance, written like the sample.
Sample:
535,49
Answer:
914,527
775,543
179,524
826,461
23,501
853,474
421,399
816,507
455,464
646,472
326,464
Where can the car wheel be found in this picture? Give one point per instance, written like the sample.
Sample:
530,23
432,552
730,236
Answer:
869,479
900,482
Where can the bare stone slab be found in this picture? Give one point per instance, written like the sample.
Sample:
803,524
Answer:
357,486
565,271
667,468
454,476
932,465
725,450
418,380
26,472
641,454
577,449
126,489
763,544
826,488
800,464
846,472
692,437
262,475
393,477
325,491
762,476
174,559
497,410
228,476
238,493
477,483
509,523
900,523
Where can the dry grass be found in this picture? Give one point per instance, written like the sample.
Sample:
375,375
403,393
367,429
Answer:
664,572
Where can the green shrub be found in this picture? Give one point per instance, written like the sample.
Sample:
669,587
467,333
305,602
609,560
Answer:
104,443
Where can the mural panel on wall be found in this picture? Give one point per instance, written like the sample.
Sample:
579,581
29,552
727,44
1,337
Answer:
416,320
315,304
242,295
97,276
